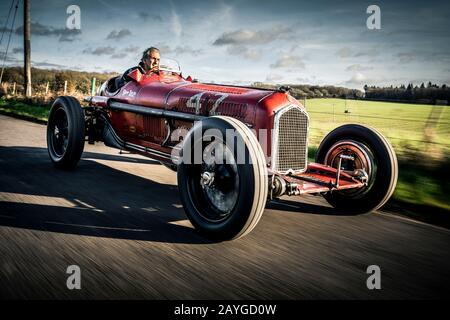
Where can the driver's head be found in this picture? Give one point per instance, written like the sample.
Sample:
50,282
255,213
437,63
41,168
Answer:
150,59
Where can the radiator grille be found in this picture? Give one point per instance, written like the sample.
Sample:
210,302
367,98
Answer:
291,140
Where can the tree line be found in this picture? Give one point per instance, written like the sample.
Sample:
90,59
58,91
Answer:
313,91
77,81
80,82
425,93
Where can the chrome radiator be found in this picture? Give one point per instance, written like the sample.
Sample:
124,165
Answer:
290,140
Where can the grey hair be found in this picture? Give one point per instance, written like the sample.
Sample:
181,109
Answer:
148,51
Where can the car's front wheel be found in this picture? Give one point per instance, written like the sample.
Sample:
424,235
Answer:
372,156
65,132
222,180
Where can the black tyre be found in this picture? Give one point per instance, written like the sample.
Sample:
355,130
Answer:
373,153
224,200
65,132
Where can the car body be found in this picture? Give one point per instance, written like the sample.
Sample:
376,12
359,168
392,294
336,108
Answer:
147,114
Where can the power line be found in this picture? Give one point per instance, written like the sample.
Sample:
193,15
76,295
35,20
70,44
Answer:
7,20
9,40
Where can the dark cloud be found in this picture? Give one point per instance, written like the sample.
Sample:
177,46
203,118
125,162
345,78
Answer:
118,35
45,64
9,59
147,16
39,29
119,55
132,49
245,52
244,36
99,51
179,50
289,61
17,50
3,29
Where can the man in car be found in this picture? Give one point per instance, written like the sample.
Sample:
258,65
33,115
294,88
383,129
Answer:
149,63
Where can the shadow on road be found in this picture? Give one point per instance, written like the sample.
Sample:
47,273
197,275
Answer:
305,208
93,200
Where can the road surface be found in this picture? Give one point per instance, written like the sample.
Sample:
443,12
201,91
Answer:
118,217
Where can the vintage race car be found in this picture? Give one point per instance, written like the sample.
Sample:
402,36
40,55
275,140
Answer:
225,180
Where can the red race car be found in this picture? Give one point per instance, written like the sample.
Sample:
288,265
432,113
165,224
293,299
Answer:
234,148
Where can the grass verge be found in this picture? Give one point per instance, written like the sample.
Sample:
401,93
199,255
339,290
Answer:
22,110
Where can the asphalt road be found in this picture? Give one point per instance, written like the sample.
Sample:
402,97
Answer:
118,217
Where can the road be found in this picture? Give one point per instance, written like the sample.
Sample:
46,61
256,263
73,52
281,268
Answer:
118,217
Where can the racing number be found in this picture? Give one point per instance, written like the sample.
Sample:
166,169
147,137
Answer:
194,102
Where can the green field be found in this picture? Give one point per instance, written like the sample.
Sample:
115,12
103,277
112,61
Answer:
408,126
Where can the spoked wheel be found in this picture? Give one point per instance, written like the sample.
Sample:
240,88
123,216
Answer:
65,132
374,159
224,191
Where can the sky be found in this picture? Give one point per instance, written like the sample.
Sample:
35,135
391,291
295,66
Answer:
241,42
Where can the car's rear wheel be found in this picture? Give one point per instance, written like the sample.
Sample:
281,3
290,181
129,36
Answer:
372,155
223,188
65,132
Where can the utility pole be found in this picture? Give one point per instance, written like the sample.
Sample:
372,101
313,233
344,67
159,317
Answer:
26,46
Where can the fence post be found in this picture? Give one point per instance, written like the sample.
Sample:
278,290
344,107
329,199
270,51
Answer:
93,86
46,88
65,87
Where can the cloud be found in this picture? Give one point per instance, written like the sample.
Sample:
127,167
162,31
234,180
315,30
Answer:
175,23
372,53
244,36
45,64
239,50
357,67
344,52
17,50
118,35
289,61
132,49
3,29
99,51
357,79
119,55
39,29
405,57
8,58
179,50
147,16
274,77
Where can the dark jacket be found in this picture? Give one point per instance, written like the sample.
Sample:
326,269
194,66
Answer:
125,78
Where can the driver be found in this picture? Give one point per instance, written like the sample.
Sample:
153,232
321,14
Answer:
149,63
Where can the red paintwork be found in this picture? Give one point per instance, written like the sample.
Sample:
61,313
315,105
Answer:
252,106
327,175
